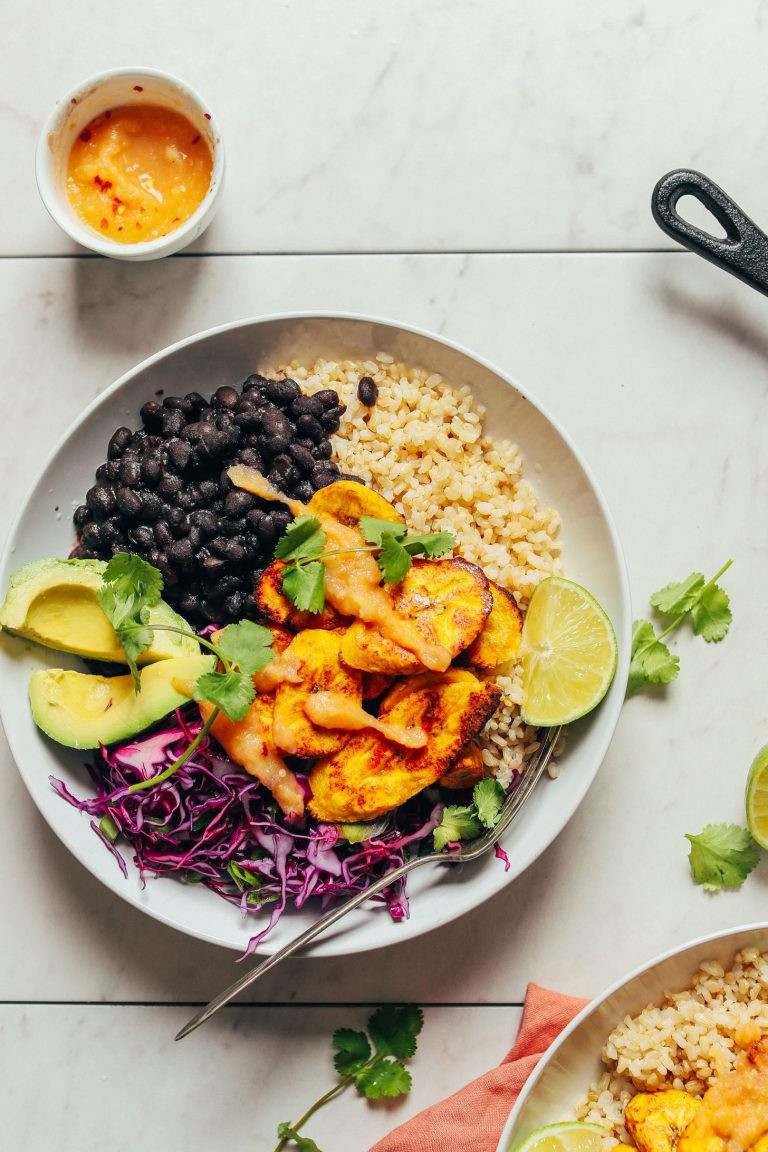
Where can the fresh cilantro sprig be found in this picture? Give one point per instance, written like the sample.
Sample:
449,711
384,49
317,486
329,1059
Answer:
466,822
373,1063
130,587
302,546
707,606
722,856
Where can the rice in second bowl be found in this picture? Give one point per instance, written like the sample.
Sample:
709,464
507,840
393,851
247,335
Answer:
685,1042
422,445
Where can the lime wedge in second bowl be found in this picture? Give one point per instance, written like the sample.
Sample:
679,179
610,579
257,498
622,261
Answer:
757,798
571,1136
568,653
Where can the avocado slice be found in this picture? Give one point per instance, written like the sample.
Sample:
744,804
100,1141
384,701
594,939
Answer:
83,711
53,602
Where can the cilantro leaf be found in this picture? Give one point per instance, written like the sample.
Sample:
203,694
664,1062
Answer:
386,1078
302,539
488,797
304,585
652,662
435,544
676,599
303,1143
232,692
352,1051
722,856
711,614
372,529
394,1029
458,823
393,559
130,587
246,645
133,584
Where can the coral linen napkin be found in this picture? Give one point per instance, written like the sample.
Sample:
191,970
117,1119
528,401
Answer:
472,1119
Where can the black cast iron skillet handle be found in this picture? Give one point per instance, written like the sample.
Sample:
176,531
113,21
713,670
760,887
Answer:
744,250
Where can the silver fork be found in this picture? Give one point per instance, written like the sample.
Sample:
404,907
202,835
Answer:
472,850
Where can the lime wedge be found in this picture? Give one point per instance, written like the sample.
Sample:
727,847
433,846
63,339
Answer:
757,798
568,654
568,1137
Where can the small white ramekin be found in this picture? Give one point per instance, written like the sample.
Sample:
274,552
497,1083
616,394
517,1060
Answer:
122,86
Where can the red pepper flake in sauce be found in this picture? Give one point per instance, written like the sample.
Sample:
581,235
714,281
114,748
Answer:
196,139
138,88
85,135
104,222
207,115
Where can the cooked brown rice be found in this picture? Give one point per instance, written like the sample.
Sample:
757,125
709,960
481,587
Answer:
422,447
686,1041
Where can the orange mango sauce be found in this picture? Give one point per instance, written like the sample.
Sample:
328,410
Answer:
137,172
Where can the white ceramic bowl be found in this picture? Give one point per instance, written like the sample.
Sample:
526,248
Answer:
226,356
573,1062
96,95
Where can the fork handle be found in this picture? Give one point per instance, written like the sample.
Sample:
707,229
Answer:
328,920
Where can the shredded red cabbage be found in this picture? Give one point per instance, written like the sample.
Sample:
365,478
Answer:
211,823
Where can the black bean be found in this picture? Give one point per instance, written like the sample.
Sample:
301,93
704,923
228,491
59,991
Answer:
225,420
249,420
82,515
230,527
213,566
212,613
151,504
101,500
204,520
328,397
163,535
195,495
367,392
255,380
152,415
113,470
119,441
282,519
181,404
179,453
189,604
290,473
233,605
221,586
92,535
282,392
177,521
302,457
128,502
278,431
251,608
321,478
238,503
307,406
130,470
268,532
309,427
184,502
251,458
173,422
142,536
169,486
152,468
209,490
331,418
323,450
225,397
195,537
254,518
196,401
349,476
181,553
303,490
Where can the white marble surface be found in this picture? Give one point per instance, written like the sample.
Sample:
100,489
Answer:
444,130
490,125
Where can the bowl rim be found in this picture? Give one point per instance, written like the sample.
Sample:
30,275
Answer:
87,237
335,945
593,1005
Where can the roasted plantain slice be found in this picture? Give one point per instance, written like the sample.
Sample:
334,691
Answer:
375,684
277,608
249,742
370,775
501,634
467,770
447,601
317,652
347,501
